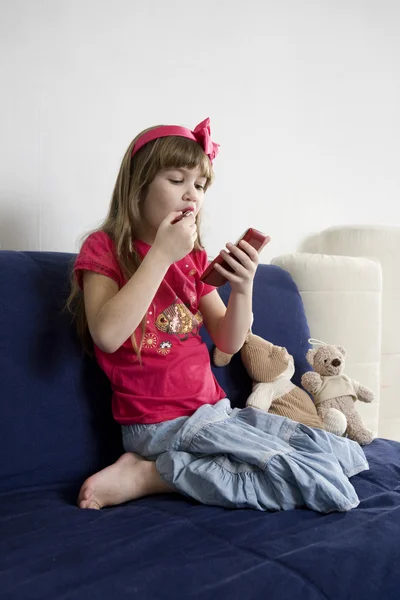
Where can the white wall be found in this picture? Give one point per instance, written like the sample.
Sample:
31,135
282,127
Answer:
303,97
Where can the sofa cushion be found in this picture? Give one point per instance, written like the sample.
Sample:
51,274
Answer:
170,547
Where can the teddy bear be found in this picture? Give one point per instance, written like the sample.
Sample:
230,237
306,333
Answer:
271,368
335,393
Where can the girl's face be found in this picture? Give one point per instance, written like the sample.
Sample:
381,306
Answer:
170,190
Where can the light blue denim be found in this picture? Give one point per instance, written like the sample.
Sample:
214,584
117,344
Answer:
248,458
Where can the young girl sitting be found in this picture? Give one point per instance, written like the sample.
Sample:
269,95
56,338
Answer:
139,300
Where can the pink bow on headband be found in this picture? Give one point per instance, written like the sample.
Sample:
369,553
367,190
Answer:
201,134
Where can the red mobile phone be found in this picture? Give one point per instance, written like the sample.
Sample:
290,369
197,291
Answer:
253,237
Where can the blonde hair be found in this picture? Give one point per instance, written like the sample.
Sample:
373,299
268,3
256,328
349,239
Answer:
124,214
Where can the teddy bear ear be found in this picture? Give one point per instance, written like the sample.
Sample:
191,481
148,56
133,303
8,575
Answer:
221,359
341,350
310,357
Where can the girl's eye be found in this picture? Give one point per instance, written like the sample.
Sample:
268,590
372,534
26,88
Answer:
200,187
176,180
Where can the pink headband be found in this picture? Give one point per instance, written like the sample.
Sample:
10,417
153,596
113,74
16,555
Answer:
201,135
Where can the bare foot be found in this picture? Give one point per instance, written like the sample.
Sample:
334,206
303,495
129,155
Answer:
129,478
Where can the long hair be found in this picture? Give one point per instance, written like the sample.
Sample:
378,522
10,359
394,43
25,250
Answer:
124,214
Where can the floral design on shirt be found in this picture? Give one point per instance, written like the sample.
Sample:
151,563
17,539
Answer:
150,340
164,348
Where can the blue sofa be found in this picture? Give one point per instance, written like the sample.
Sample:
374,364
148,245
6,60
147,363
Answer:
56,429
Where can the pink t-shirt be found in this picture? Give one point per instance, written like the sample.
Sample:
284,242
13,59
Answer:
175,376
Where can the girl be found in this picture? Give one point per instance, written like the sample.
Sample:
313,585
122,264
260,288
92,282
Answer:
140,301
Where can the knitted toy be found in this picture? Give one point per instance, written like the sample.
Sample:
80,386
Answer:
271,368
335,393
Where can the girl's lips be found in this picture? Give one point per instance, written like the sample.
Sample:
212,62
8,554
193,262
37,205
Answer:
187,212
184,214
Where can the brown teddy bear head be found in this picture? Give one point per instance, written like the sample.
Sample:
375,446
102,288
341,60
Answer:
265,362
327,360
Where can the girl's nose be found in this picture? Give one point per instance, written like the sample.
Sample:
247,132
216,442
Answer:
190,195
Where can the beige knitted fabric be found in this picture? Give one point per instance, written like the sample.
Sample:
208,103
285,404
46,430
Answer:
221,359
263,360
298,406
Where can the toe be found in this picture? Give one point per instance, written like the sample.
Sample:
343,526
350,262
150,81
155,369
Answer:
91,503
85,493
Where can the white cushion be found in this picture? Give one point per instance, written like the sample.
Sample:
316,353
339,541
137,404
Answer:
342,300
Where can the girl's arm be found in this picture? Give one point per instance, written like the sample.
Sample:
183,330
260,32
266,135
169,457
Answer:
229,326
112,314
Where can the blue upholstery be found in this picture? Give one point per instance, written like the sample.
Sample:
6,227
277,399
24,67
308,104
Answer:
56,429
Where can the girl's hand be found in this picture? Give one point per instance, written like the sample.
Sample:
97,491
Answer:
244,268
176,236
